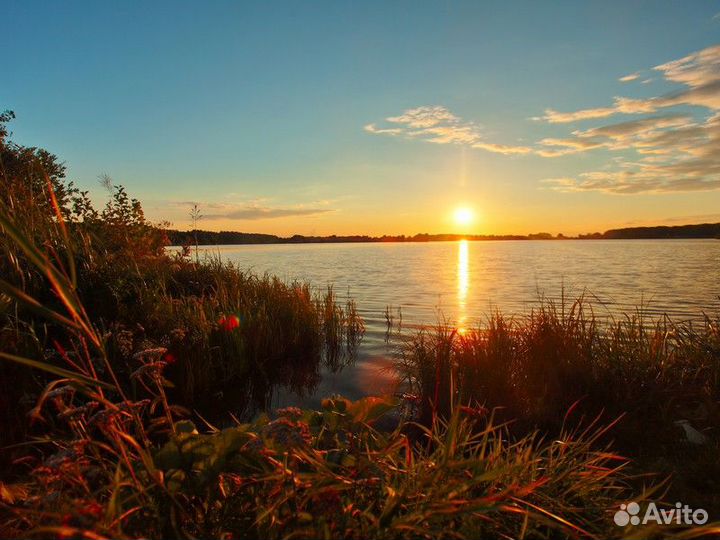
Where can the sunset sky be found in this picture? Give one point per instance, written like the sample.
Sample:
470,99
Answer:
378,117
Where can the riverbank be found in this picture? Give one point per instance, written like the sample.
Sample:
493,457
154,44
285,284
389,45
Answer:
214,238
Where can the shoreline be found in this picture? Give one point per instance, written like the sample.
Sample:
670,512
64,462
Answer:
677,232
290,242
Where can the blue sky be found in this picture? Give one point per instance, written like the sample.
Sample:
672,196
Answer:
375,118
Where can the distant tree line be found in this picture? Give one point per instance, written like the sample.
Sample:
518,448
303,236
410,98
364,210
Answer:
703,230
179,238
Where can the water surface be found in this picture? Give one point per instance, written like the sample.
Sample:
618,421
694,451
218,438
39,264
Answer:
463,282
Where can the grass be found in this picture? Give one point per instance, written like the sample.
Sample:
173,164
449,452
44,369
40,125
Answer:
285,332
558,365
329,474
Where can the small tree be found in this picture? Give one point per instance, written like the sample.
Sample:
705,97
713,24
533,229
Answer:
121,227
26,174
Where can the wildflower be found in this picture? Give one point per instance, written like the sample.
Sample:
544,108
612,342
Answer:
229,323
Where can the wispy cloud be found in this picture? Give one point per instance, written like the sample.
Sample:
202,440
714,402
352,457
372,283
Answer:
253,210
204,205
661,151
675,152
639,134
425,117
265,212
622,105
699,72
503,148
436,124
372,128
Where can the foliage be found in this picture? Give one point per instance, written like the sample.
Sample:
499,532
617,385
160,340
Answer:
24,175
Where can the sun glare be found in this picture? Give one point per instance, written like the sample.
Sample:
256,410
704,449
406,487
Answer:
464,216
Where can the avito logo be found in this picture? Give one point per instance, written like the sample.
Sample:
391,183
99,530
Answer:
681,514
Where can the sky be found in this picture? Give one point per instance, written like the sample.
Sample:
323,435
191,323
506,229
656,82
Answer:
378,117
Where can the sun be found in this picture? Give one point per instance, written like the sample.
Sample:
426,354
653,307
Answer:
463,216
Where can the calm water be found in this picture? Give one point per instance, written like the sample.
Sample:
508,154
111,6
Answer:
463,282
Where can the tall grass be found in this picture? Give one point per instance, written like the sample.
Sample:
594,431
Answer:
557,365
285,333
537,366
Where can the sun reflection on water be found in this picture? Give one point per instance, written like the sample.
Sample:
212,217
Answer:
463,284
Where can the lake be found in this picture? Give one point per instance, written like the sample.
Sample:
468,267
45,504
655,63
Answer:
463,282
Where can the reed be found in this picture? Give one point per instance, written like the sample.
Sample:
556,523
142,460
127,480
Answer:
558,365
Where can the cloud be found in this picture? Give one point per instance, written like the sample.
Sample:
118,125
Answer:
621,105
675,152
503,148
699,72
555,117
629,183
252,212
425,117
694,70
372,128
203,205
436,124
660,151
633,129
555,147
696,218
613,136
